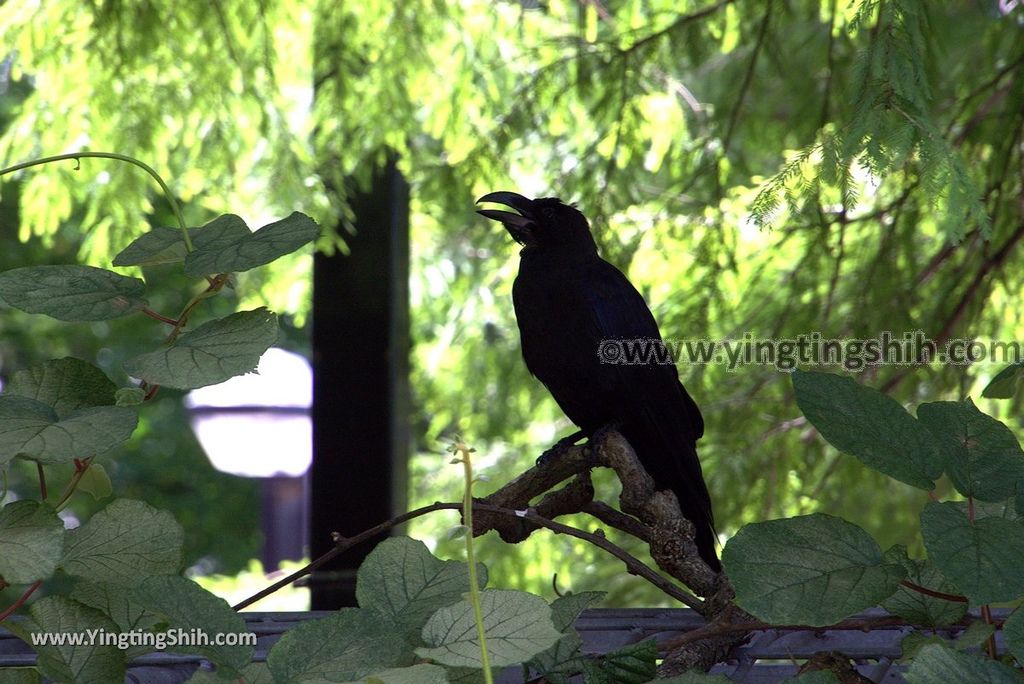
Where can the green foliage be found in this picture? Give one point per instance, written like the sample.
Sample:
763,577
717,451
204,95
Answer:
411,605
1004,384
819,569
888,132
809,570
915,607
183,607
871,134
1013,632
981,455
692,677
124,544
518,627
980,555
937,664
72,293
227,245
125,557
869,425
34,430
212,353
72,662
631,664
30,536
404,584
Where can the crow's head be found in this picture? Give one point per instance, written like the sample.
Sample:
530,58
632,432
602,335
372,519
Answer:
540,223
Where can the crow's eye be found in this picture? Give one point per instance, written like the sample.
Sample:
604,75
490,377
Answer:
549,213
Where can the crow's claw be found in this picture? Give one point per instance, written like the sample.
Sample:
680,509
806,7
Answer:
558,449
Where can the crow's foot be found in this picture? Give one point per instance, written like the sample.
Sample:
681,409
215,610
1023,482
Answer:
559,448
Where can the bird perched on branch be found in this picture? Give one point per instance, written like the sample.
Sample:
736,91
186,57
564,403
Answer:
572,306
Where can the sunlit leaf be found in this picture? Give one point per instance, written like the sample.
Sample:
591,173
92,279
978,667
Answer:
161,245
517,626
225,244
212,353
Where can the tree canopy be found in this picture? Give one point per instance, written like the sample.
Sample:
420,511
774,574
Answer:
769,168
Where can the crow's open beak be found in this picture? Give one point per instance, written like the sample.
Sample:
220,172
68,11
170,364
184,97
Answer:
518,225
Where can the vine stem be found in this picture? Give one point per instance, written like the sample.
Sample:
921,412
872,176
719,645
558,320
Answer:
80,467
464,452
7,612
78,156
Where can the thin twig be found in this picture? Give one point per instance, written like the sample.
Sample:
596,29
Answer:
42,481
158,316
676,25
990,643
956,598
343,544
747,78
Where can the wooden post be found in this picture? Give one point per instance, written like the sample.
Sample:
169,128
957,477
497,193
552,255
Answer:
360,386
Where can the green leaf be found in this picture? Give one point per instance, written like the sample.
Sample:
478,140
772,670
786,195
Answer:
96,482
210,354
20,675
982,456
565,609
226,245
65,385
696,677
631,664
72,293
403,582
517,625
985,509
31,536
560,663
912,644
82,663
983,558
915,607
349,644
124,544
32,429
1006,382
564,659
117,604
255,673
161,245
937,664
815,677
813,569
870,425
1013,634
976,634
188,609
424,673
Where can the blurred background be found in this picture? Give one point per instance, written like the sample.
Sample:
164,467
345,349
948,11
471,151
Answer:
769,167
